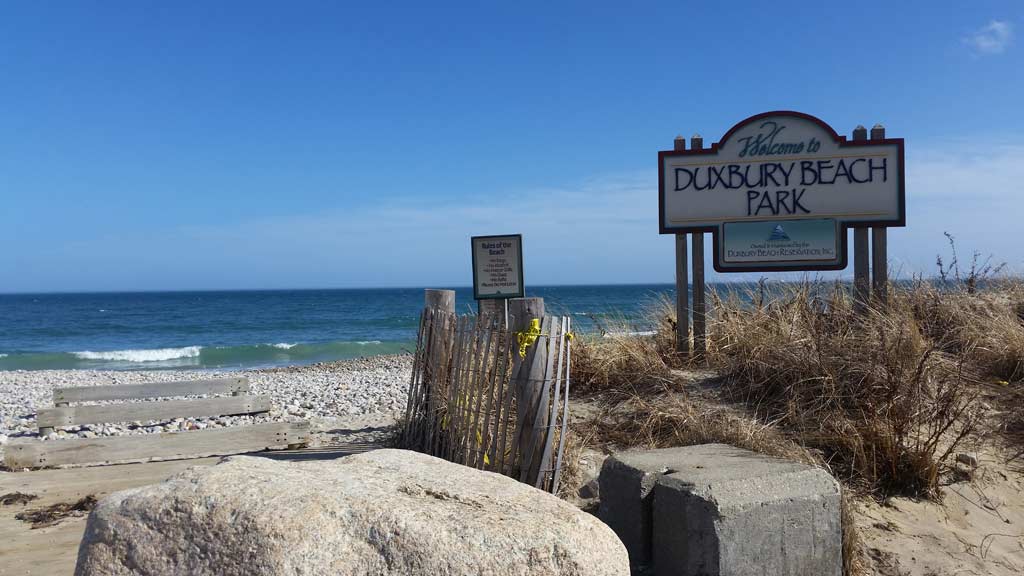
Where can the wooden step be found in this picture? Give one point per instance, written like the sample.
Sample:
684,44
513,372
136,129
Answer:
146,411
21,454
151,390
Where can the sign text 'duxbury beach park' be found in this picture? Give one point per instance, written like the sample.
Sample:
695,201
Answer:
782,165
776,169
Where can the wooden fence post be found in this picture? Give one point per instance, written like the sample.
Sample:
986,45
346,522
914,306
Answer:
682,284
438,321
443,300
699,304
879,246
527,380
493,308
861,274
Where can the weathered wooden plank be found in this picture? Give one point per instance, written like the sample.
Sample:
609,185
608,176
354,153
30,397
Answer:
458,387
699,305
151,390
541,406
527,374
486,457
548,437
879,247
682,298
145,411
682,283
474,437
169,445
504,409
461,391
564,431
443,335
445,435
861,281
414,410
880,265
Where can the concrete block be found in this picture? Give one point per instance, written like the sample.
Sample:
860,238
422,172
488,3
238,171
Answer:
715,509
721,510
626,483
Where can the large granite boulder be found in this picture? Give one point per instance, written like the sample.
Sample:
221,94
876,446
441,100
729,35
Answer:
383,512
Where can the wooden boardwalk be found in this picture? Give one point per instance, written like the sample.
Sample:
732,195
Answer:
151,403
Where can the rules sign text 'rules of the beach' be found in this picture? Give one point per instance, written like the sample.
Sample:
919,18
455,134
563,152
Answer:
781,167
497,266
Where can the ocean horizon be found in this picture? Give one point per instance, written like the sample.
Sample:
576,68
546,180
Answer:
246,329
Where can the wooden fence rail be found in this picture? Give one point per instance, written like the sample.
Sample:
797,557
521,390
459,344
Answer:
480,398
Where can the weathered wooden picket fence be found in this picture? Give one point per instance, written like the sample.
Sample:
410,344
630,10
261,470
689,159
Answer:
491,397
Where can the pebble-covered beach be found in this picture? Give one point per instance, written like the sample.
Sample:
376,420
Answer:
349,388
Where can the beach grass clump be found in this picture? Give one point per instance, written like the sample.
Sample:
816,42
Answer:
870,390
616,358
986,326
667,419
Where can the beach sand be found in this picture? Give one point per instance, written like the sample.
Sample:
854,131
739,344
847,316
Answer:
351,405
53,550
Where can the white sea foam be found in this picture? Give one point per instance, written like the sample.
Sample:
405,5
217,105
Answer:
284,345
367,342
629,333
3,355
154,355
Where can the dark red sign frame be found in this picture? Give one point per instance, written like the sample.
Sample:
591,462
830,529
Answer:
842,141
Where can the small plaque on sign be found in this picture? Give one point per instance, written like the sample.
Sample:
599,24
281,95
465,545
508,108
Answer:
497,267
780,245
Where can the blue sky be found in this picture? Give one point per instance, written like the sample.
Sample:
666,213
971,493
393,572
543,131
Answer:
177,145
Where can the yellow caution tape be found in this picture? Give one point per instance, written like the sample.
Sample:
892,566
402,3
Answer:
526,339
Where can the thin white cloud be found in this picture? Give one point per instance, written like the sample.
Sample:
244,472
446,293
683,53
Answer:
993,38
601,230
969,172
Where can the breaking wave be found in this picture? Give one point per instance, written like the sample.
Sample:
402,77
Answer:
202,357
156,355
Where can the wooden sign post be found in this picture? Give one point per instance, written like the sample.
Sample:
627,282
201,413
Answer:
879,246
682,284
699,306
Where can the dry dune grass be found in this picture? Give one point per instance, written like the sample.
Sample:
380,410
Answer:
882,403
618,362
882,399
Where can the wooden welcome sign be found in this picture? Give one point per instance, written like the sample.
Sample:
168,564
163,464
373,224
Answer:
778,192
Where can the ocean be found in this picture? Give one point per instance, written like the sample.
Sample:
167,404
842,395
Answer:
252,329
